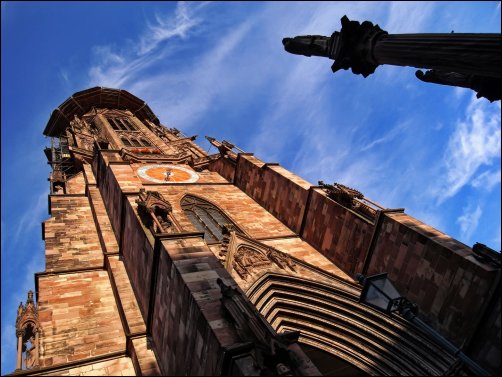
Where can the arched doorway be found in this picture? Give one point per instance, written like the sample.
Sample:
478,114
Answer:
330,319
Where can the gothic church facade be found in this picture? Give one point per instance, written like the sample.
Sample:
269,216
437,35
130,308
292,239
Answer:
164,260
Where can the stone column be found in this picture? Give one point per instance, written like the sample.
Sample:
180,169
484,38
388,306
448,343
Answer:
467,60
37,348
19,362
470,54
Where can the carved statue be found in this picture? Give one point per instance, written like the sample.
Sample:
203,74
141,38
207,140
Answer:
154,211
163,219
348,197
31,354
20,310
271,354
27,326
58,188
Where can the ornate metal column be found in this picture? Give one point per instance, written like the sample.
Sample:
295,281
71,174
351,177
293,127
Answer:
467,60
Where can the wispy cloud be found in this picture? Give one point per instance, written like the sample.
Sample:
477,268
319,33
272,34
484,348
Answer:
116,67
17,295
487,180
31,217
9,344
166,28
408,17
474,143
469,221
393,133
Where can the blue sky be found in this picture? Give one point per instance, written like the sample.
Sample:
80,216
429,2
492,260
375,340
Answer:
219,69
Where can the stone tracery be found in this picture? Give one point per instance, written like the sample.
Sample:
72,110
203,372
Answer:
27,332
155,212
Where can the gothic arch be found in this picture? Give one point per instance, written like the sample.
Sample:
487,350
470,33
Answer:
125,141
145,142
207,217
27,333
330,318
155,212
135,142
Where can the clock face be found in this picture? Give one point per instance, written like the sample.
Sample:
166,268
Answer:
165,173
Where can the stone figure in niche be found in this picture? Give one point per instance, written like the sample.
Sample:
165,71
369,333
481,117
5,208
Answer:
154,211
162,217
280,259
248,259
58,188
31,354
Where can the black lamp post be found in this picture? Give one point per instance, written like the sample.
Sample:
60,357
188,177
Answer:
379,293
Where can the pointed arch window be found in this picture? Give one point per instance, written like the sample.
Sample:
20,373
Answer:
206,218
128,124
126,142
145,142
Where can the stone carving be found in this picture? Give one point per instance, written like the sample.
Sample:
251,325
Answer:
269,353
86,142
155,212
58,188
348,197
174,131
281,259
250,260
77,124
31,354
27,332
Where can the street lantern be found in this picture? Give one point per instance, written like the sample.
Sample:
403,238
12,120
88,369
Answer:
379,293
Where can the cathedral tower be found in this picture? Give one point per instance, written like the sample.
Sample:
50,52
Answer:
164,260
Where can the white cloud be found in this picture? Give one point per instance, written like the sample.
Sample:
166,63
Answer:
168,27
474,143
393,133
460,92
469,221
115,68
9,345
487,180
408,17
31,217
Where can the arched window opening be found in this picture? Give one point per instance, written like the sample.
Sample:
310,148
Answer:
135,142
27,332
128,125
116,126
126,142
155,212
206,218
145,142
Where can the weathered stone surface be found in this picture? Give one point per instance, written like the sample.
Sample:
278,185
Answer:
76,185
435,271
78,317
71,239
155,297
117,367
